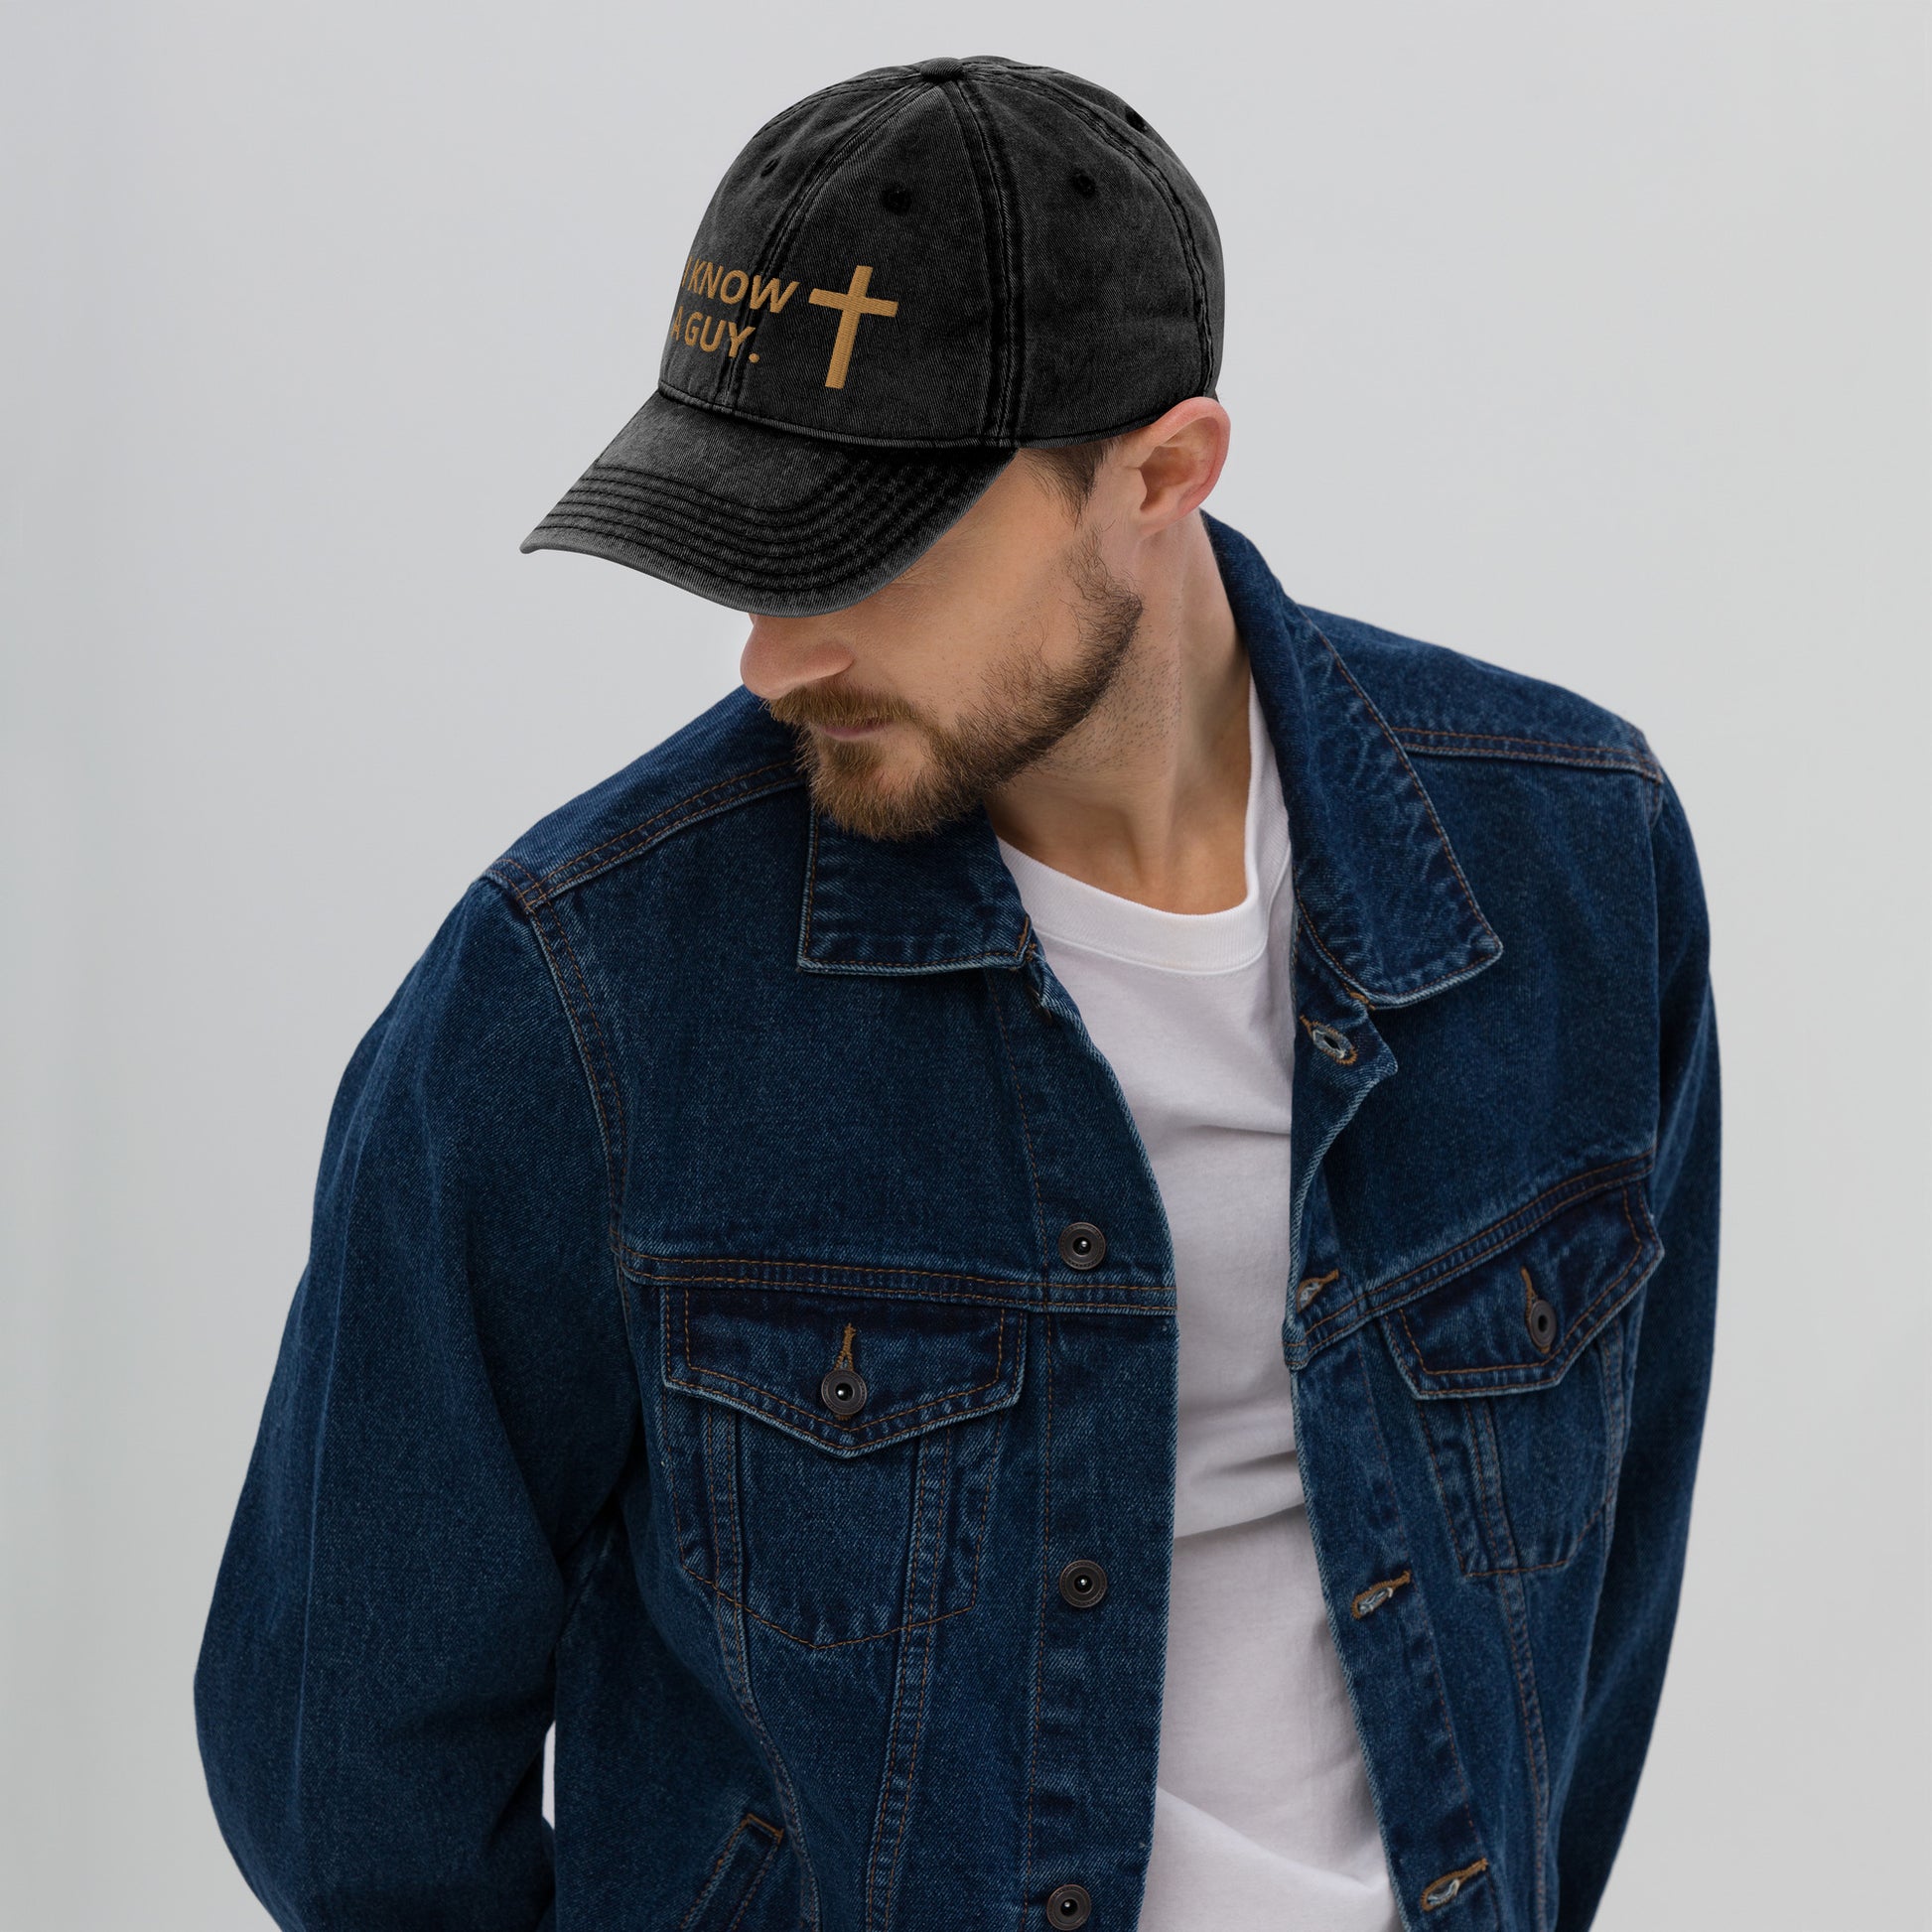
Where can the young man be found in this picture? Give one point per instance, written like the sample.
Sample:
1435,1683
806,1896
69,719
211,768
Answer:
1054,1269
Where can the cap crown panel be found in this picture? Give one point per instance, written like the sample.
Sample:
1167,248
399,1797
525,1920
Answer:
1121,269
839,283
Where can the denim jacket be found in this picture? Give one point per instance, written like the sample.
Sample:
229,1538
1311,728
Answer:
693,1350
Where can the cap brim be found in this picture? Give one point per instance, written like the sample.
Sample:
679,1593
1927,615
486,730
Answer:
761,519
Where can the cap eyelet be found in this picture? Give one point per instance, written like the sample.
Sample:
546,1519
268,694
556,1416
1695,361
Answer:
894,199
1083,184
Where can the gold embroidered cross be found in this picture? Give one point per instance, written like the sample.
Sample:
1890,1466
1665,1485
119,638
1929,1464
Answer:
853,304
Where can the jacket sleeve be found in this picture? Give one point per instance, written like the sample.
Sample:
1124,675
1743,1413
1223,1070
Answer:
450,1410
1638,1605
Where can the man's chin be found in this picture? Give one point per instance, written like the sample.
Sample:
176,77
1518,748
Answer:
876,802
869,809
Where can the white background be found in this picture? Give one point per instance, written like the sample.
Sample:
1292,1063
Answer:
1590,339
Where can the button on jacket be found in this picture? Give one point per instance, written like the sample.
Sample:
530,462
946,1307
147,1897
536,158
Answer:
739,1322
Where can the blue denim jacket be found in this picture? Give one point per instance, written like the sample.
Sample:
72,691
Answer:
689,1350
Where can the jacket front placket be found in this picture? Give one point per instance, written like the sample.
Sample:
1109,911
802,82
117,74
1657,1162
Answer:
1384,918
1087,1479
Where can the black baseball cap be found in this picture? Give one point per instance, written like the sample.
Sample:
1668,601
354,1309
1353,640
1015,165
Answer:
902,279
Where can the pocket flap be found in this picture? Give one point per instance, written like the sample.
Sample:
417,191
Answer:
1481,1332
767,1351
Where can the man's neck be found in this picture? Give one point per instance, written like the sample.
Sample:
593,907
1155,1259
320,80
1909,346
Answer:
1146,798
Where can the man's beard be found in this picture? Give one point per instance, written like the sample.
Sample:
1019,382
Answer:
1026,710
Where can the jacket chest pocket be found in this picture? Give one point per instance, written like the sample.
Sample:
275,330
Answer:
1521,1364
829,1458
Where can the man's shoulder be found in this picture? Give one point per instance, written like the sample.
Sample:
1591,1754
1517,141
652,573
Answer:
1440,701
730,752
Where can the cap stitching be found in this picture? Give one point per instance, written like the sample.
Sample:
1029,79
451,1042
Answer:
781,562
902,442
859,83
821,506
644,533
747,552
1177,212
1001,253
732,373
828,509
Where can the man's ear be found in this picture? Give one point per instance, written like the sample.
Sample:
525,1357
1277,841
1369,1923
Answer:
1180,458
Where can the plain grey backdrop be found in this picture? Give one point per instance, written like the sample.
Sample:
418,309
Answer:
1589,340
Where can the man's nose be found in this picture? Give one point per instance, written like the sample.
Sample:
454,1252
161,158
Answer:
783,653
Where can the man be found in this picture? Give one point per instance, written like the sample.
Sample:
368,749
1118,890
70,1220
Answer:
1055,1268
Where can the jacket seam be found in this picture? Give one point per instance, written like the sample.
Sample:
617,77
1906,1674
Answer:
831,1643
1372,1300
1509,1596
782,1401
1042,1610
1435,1660
622,847
540,910
1416,785
1663,782
789,1267
1583,1316
901,1677
1513,748
613,1149
737,1662
1025,1127
833,963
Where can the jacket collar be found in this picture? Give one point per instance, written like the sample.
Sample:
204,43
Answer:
1381,896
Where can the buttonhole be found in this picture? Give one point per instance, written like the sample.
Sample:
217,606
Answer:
1442,1889
1330,1041
1371,1600
1312,1286
1029,975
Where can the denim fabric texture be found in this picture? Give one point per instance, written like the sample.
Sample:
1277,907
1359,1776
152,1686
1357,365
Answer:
687,1349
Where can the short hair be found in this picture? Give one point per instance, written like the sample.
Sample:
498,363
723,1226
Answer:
1069,468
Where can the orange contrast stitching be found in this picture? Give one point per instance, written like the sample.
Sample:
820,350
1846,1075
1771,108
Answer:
563,873
838,1267
1609,1289
1435,1662
1575,1181
1340,1059
1015,951
1312,1284
1387,1588
798,1409
1433,1894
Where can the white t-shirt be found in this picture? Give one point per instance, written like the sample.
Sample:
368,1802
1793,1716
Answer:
1262,1813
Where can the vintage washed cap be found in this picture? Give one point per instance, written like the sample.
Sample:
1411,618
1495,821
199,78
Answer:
902,279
